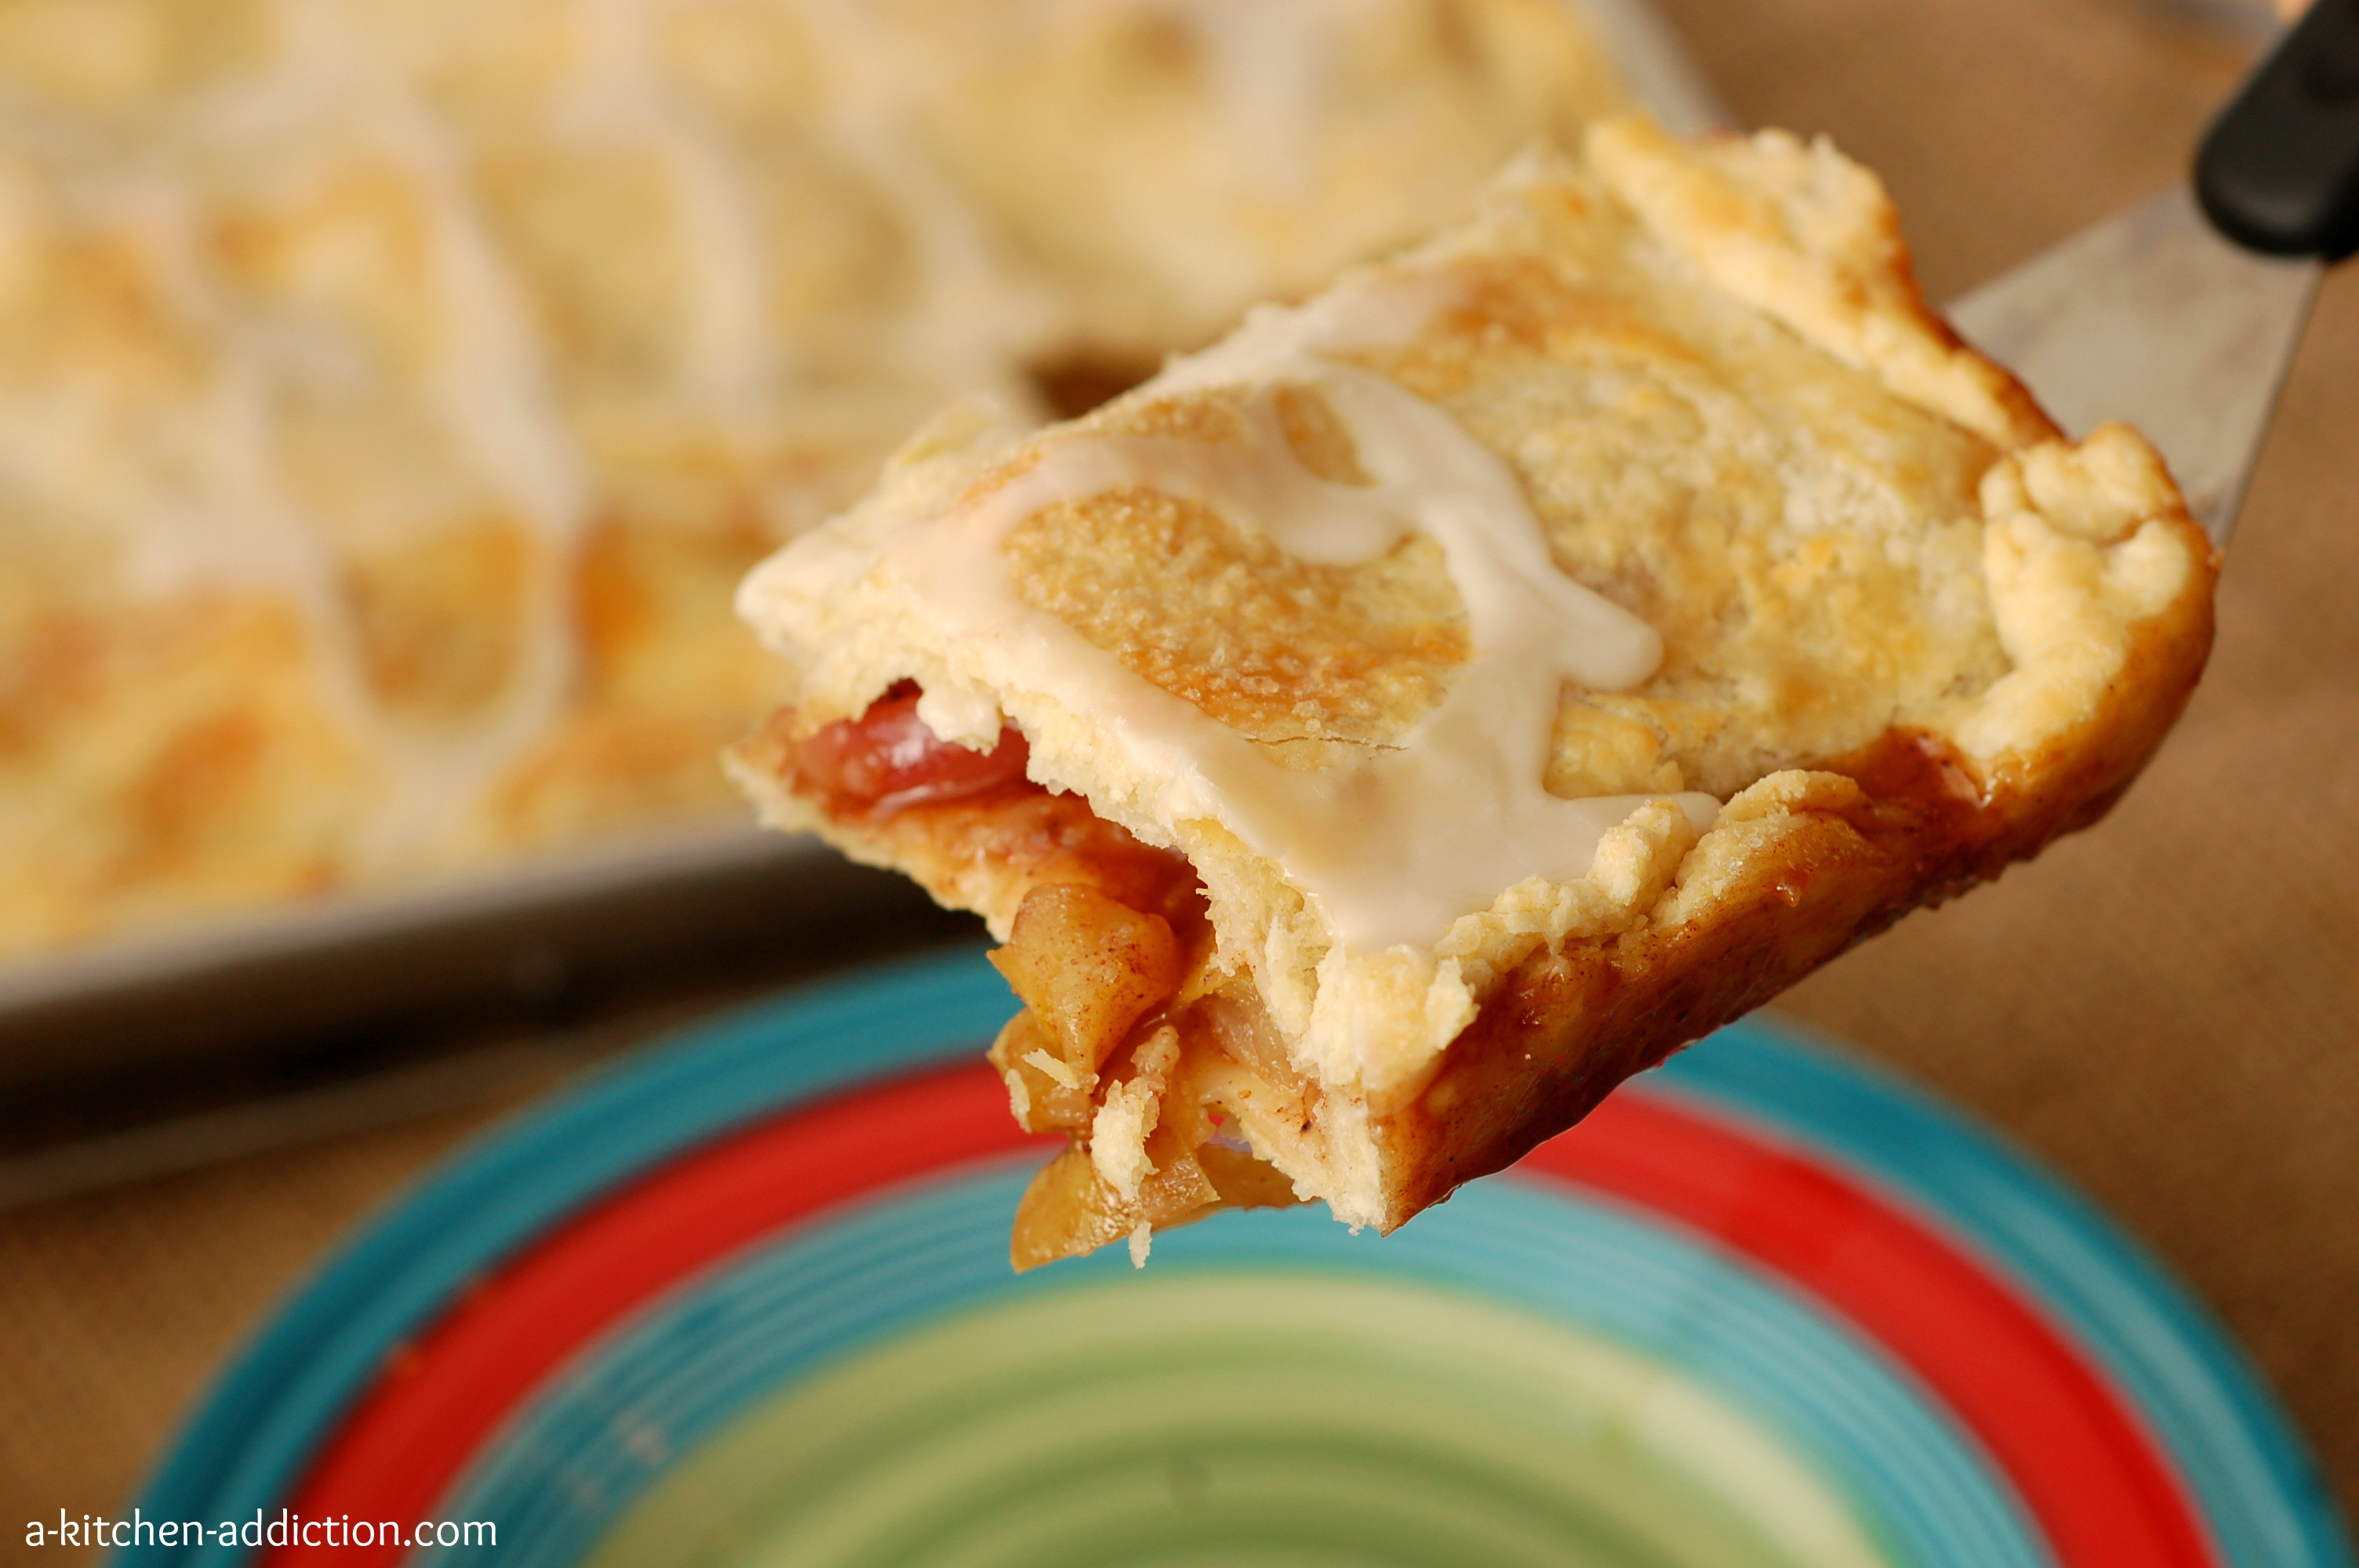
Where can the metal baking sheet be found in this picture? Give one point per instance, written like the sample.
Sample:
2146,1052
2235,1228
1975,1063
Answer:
526,943
519,937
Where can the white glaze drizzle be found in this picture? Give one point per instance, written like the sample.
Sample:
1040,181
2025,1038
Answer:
1398,843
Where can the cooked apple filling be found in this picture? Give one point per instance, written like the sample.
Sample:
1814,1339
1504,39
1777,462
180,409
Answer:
1160,1071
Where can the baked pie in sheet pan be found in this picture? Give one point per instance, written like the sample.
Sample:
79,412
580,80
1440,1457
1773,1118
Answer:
1383,733
392,392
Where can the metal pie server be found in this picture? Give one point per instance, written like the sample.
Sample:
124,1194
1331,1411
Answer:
2182,315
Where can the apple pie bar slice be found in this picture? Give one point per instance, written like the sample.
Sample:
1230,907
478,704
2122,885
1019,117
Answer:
1380,734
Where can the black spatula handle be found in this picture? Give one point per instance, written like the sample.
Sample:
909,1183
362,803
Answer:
2279,171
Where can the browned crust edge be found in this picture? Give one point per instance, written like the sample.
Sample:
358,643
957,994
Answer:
1570,1024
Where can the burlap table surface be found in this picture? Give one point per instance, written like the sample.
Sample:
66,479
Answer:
2163,1008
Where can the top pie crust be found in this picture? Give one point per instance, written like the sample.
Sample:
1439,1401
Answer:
1909,633
392,395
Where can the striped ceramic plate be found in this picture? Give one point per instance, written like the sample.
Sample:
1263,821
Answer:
745,1301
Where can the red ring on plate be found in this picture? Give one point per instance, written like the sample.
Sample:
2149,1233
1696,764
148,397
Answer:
2091,1475
2081,1459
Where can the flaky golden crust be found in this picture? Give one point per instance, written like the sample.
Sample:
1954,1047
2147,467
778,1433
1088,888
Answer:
473,352
1835,867
1910,635
1837,855
1826,859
